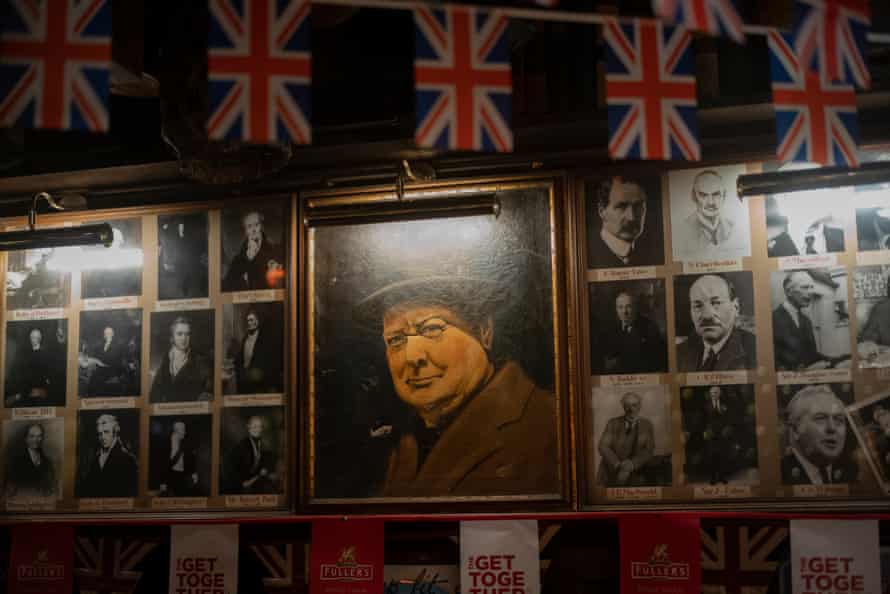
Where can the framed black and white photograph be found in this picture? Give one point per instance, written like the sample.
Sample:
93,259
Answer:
709,221
180,455
810,319
109,353
714,318
253,338
870,420
181,356
252,446
720,431
35,365
253,248
33,459
38,279
807,223
625,226
870,294
182,256
872,216
628,327
817,446
107,453
114,271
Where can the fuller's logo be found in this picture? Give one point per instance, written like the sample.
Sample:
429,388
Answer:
347,569
40,569
659,567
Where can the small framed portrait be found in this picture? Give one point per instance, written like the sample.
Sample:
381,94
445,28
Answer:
33,457
253,335
870,293
38,279
870,421
109,353
179,455
714,316
817,446
631,441
625,226
107,453
252,446
873,216
810,318
628,327
253,248
35,369
709,221
720,435
115,271
181,356
182,256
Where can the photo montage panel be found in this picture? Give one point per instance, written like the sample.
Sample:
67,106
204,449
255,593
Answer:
807,223
33,460
252,445
182,256
628,327
871,423
36,279
109,353
180,455
624,222
181,356
107,453
810,318
253,248
253,339
872,299
714,316
35,365
434,356
115,271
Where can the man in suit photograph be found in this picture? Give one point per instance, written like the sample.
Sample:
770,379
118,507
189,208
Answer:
37,376
30,472
112,469
623,238
251,466
793,336
718,343
259,263
109,367
626,446
183,374
707,232
632,344
779,242
180,475
182,256
258,358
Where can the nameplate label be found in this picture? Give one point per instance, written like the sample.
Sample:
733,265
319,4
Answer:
722,491
254,400
717,378
704,267
182,304
97,403
822,376
30,315
821,490
873,258
34,414
634,493
258,296
813,261
105,504
26,504
627,381
111,303
621,274
252,500
181,408
178,502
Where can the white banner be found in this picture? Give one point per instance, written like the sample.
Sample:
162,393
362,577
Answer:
204,559
500,557
835,557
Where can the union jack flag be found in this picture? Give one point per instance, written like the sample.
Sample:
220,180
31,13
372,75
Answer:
55,64
815,118
741,557
462,79
717,17
107,565
836,30
285,566
259,66
650,91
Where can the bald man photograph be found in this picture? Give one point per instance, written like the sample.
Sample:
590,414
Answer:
624,223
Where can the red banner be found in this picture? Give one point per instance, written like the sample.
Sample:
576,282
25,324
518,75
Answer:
660,555
346,557
41,560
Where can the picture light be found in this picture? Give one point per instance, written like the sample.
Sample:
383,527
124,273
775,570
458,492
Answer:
34,238
784,182
404,210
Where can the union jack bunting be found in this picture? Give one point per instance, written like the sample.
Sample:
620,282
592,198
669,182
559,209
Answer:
259,70
815,118
462,80
717,17
107,565
837,30
741,557
55,64
284,565
650,91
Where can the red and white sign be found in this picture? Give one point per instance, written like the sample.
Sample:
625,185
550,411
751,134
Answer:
204,559
500,557
346,557
660,555
42,559
835,557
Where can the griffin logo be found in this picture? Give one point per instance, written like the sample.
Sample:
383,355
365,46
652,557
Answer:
347,568
40,569
659,566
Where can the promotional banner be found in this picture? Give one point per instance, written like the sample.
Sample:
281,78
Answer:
660,555
41,559
346,557
500,557
835,557
204,559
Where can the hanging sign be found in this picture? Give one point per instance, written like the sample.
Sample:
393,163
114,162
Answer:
41,559
835,557
346,557
204,559
660,555
500,557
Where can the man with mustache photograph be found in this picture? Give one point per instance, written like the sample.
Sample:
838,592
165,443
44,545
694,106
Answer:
622,229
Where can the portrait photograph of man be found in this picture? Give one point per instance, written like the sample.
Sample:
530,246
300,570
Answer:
182,256
714,316
870,421
114,271
253,248
806,223
708,219
631,440
872,217
721,435
817,445
627,327
181,356
33,454
179,455
252,446
35,363
811,320
35,280
624,222
449,383
870,293
107,453
253,335
109,355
